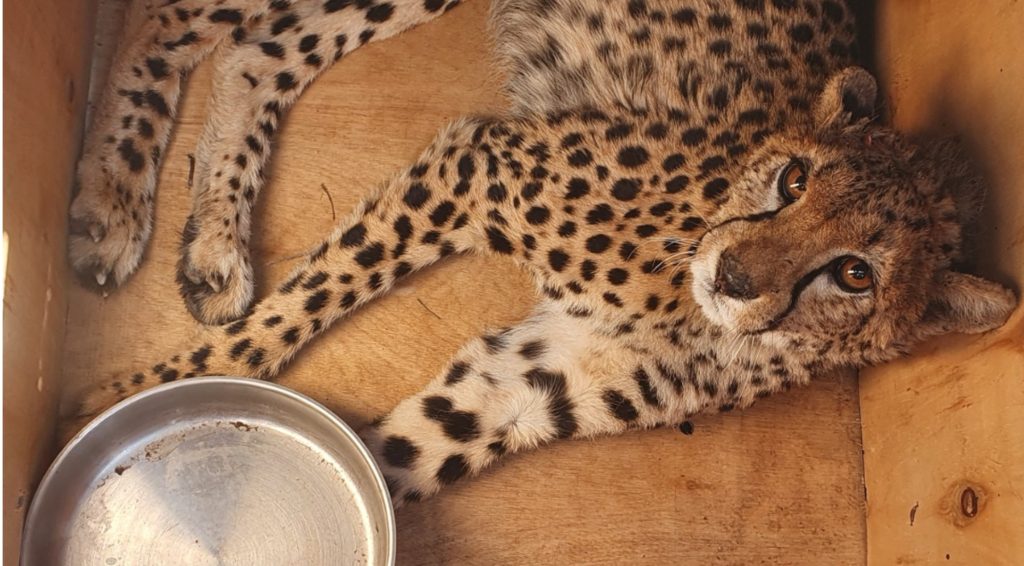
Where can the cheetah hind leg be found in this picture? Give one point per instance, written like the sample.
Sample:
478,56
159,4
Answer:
256,80
507,392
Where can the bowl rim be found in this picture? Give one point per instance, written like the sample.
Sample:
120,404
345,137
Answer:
347,431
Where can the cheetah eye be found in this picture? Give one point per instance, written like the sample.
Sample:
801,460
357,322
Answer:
853,274
793,181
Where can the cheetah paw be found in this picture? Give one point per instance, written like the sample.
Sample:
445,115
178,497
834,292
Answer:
109,227
215,277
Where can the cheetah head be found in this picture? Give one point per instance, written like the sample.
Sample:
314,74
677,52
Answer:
845,234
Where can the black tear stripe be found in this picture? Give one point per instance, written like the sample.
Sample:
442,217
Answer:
798,289
758,217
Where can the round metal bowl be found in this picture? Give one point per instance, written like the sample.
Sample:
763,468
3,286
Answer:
212,470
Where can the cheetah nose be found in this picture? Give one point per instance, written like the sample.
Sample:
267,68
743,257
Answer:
731,281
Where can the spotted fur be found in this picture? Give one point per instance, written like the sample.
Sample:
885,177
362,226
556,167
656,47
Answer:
640,159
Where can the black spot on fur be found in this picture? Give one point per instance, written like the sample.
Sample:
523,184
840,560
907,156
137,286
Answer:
370,255
403,228
272,49
168,375
559,405
285,81
495,343
453,468
532,350
497,448
226,16
626,189
558,259
677,184
273,321
256,357
308,43
598,243
236,327
239,348
442,213
158,67
315,281
577,188
145,128
348,299
380,12
461,426
621,407
633,156
283,23
457,373
801,33
694,136
400,452
316,301
496,192
581,158
600,213
416,196
135,160
647,389
498,241
714,188
290,336
613,299
587,270
617,276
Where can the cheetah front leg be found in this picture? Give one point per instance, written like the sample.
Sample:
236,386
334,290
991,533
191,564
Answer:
427,212
112,211
547,379
256,80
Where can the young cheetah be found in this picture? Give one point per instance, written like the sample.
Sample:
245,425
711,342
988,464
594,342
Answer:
698,188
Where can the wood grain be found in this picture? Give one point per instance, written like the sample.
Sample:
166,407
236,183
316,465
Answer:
950,418
778,484
46,62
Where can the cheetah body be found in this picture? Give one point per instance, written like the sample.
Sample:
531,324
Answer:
643,148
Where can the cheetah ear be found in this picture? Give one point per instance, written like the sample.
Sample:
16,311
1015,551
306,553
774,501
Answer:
967,304
848,97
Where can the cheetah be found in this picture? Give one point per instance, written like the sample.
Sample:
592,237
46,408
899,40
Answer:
708,206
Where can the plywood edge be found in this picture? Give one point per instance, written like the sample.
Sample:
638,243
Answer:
46,62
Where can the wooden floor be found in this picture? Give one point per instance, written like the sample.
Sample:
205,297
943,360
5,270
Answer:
781,483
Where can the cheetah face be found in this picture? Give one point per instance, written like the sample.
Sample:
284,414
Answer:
843,236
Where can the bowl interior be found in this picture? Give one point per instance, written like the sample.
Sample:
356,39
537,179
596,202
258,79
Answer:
212,471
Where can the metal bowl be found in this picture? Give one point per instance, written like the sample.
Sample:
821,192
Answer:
213,470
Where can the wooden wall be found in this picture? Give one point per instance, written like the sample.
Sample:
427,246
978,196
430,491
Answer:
46,60
944,430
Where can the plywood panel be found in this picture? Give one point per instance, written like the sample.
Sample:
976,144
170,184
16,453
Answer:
778,484
46,59
949,422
